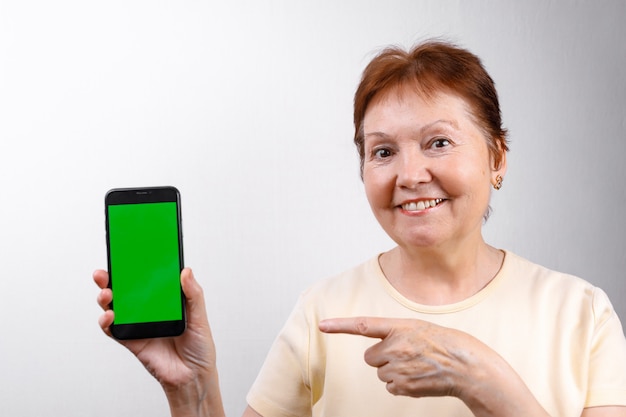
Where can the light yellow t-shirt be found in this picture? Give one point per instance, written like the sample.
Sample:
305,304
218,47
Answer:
557,331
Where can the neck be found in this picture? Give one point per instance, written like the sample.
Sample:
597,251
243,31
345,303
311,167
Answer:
438,276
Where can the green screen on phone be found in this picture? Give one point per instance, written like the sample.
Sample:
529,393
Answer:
145,264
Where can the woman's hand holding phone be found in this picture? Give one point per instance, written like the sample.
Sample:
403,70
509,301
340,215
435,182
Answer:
184,365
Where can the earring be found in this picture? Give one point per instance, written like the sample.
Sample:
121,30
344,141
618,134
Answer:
498,183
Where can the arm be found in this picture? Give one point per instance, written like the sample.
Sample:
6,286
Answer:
419,359
184,365
249,412
604,412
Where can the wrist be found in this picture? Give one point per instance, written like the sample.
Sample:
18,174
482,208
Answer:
200,397
496,389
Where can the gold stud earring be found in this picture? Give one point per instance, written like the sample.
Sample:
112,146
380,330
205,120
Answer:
498,183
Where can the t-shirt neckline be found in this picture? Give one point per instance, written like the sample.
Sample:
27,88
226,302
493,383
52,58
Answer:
444,308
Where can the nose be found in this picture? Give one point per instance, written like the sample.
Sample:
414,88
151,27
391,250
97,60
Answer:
413,169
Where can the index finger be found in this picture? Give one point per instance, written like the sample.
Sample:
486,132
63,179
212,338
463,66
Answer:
101,278
377,327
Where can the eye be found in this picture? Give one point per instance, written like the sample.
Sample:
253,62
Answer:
382,153
440,143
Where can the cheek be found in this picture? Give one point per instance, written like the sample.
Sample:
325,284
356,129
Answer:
370,188
476,183
470,173
377,190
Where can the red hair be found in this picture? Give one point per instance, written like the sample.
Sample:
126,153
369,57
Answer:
432,67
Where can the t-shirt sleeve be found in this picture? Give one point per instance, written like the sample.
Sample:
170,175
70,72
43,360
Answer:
282,388
607,363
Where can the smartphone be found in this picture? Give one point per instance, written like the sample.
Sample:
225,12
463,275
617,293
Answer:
145,257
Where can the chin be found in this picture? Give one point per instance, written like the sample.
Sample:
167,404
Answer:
418,242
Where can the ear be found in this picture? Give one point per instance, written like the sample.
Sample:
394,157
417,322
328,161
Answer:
500,163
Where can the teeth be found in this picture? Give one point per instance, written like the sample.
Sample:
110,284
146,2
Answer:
421,205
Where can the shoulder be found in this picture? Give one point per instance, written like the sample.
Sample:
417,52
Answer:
346,291
526,272
563,291
366,274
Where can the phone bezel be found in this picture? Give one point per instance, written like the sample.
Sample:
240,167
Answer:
141,195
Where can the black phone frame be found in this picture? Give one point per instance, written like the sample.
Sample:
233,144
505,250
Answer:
139,195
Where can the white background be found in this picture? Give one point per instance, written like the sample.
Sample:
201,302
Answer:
245,106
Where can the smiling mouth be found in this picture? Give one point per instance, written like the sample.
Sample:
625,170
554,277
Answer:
421,205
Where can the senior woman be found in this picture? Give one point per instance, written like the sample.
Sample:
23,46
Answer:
452,325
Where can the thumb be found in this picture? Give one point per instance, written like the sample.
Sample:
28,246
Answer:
193,294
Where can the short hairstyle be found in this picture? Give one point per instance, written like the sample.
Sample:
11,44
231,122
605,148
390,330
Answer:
432,67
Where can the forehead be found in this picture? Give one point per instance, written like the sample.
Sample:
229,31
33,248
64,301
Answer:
407,107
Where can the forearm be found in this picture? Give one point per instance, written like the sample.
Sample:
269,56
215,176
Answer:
497,390
200,397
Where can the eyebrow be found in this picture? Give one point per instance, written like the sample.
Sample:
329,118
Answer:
384,135
381,135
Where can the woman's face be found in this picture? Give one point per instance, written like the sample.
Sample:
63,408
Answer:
427,169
